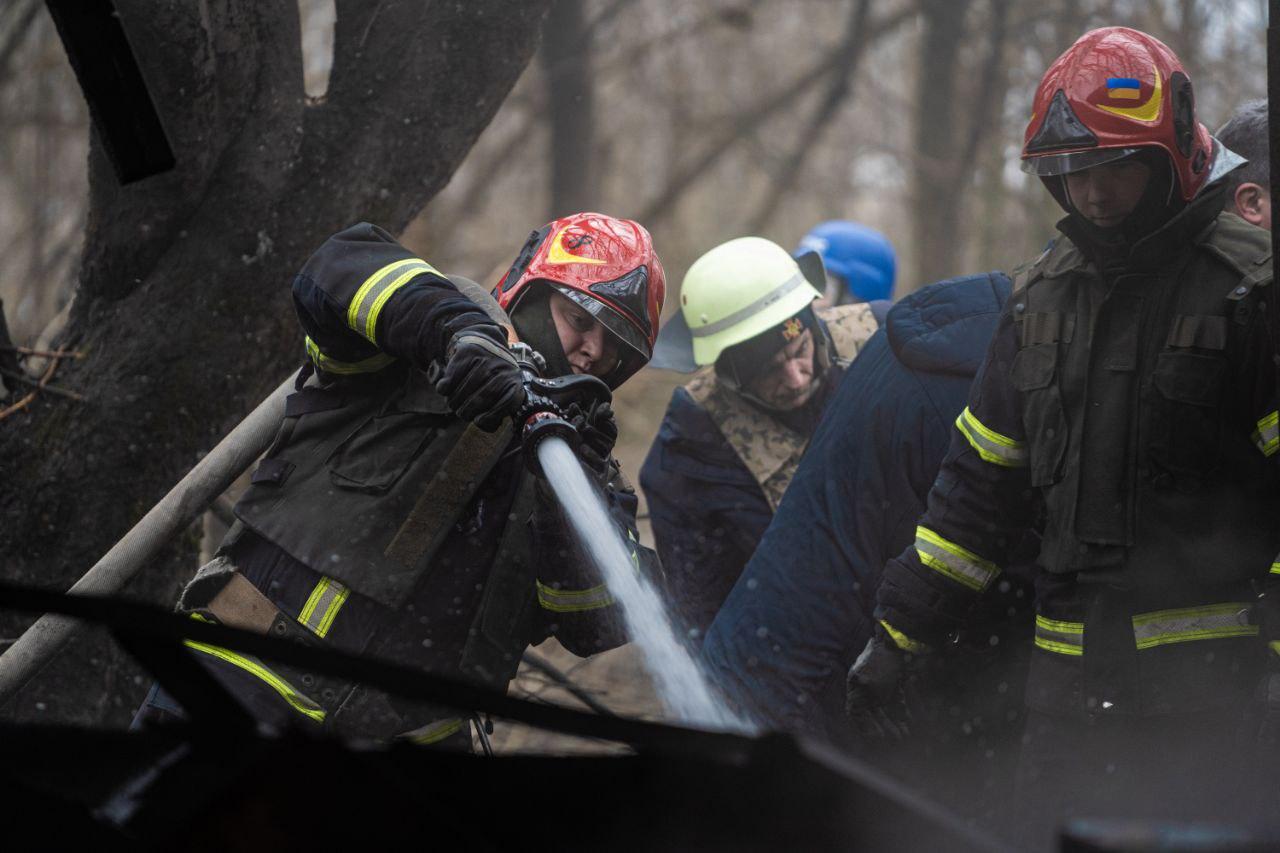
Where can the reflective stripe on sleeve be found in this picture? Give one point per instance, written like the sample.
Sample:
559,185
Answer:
1275,568
904,642
299,701
1055,635
366,305
573,600
1267,435
323,605
991,445
1211,622
345,368
433,732
959,564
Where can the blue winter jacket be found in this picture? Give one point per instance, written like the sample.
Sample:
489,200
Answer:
801,611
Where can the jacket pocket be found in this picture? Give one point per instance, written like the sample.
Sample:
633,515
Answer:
1034,375
378,452
1186,429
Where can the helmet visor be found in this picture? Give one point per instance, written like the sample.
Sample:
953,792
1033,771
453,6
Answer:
1049,165
615,323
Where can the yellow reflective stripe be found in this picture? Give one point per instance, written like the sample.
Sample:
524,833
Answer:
298,701
332,365
1274,646
1267,435
362,313
991,446
904,642
433,732
1211,622
960,564
323,605
573,600
1275,568
1059,647
1059,636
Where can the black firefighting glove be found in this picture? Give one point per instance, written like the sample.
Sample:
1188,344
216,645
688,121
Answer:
598,430
481,379
873,699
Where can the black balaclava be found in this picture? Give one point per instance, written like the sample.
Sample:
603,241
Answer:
532,318
1160,202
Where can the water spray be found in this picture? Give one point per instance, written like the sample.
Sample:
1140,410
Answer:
549,442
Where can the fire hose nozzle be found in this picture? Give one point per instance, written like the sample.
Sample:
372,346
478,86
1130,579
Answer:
543,414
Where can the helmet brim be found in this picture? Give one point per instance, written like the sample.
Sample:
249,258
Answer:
1051,165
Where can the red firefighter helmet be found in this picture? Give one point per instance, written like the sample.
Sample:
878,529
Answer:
1114,91
605,265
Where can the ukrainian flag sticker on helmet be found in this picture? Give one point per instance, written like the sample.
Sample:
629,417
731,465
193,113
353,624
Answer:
1127,88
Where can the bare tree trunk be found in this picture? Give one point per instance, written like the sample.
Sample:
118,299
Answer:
183,308
935,202
567,69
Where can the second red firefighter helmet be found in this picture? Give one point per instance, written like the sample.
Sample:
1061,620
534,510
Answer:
607,266
1113,92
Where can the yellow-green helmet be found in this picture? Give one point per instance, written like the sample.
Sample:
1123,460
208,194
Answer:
738,290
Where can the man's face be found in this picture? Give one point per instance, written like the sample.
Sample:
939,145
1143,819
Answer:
586,344
788,381
1106,194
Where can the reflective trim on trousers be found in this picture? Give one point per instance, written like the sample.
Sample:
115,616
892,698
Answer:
1267,435
904,642
323,605
297,700
573,600
372,364
958,563
1055,635
1211,622
991,446
366,305
433,732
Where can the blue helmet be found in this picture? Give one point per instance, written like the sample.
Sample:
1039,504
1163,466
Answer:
861,256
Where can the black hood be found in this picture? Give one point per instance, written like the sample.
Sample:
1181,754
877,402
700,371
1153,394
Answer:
945,327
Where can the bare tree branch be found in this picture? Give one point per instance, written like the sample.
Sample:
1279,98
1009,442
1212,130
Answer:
853,46
687,176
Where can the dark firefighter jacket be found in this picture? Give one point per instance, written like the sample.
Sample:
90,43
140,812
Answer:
716,472
379,522
1133,418
801,611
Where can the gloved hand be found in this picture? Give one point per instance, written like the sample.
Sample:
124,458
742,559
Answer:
481,380
599,432
873,689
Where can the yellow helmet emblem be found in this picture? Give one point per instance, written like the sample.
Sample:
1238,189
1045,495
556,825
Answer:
560,255
1146,112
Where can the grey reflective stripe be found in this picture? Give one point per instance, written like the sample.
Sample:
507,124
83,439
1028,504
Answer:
433,732
362,314
323,605
573,600
754,308
959,564
991,446
1212,622
1055,635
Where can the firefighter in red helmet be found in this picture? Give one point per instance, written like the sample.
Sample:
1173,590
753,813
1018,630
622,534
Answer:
395,514
1126,409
